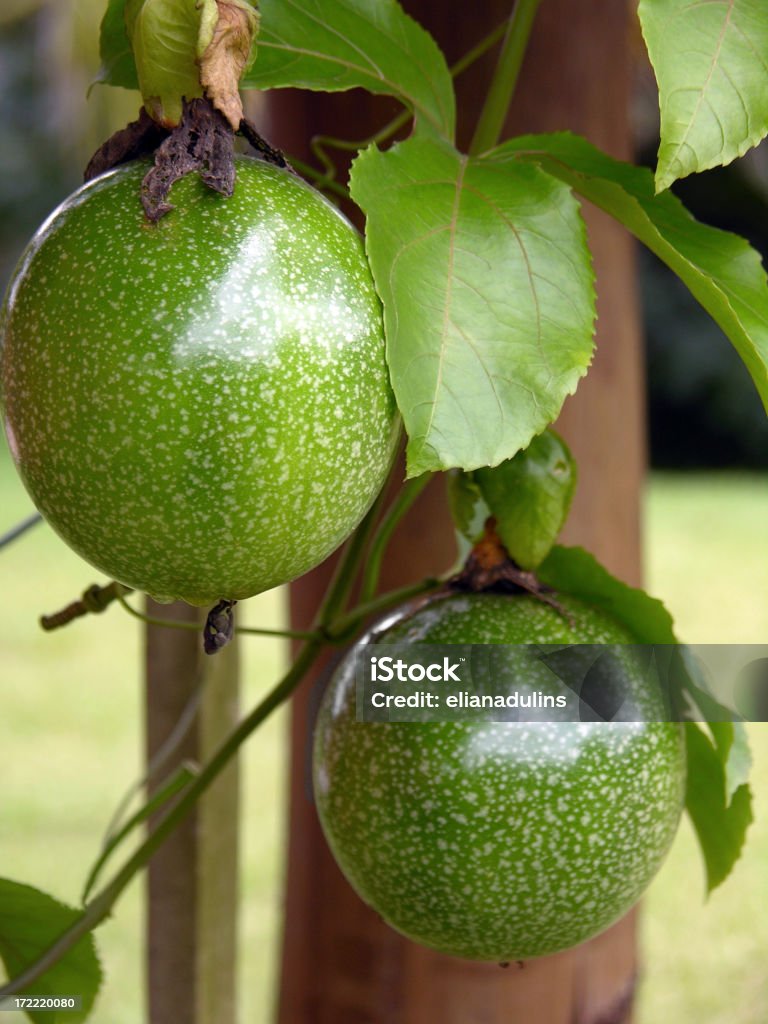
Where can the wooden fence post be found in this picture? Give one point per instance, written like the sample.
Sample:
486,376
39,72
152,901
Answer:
192,887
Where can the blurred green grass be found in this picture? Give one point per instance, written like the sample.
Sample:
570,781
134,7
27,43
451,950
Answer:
70,744
707,557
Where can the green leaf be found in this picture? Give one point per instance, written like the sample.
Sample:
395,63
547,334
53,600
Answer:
711,65
468,509
30,921
488,297
529,496
335,45
738,764
732,745
721,270
702,705
117,64
577,572
720,824
166,39
718,799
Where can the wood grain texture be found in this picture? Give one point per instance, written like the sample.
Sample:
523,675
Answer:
192,888
341,964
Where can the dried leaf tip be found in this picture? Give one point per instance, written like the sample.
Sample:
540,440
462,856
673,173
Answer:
227,56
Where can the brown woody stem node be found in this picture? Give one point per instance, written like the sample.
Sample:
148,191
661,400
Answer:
94,601
489,568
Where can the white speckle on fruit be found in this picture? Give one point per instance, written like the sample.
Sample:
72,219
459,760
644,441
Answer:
225,339
566,823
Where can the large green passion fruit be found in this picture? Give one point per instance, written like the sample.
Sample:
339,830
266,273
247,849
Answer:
498,840
199,407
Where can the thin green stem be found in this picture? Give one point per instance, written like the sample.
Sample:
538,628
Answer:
20,529
318,145
285,634
153,621
320,142
402,502
177,781
344,577
347,625
329,624
319,177
502,87
478,51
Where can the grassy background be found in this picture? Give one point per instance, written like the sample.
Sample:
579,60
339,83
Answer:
70,736
707,557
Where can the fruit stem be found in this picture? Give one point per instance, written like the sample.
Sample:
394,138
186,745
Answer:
346,570
502,88
402,502
286,634
340,631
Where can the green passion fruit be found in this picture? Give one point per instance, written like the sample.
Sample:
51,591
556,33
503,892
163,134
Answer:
495,840
199,407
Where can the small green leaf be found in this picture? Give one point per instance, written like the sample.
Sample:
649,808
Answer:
721,270
30,921
335,45
165,36
468,509
710,61
529,496
701,704
732,745
720,824
738,764
117,64
486,282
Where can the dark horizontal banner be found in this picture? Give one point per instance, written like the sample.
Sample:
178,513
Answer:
408,682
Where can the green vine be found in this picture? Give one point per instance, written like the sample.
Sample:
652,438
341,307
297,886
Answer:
402,502
502,88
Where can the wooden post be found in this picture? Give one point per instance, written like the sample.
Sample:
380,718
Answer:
191,921
341,964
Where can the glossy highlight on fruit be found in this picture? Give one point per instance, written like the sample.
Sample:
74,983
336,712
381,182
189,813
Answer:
200,407
497,840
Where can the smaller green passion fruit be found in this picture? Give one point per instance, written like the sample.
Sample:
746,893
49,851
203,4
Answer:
495,840
200,407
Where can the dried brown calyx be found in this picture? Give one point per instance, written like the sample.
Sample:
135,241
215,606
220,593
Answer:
203,142
489,568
